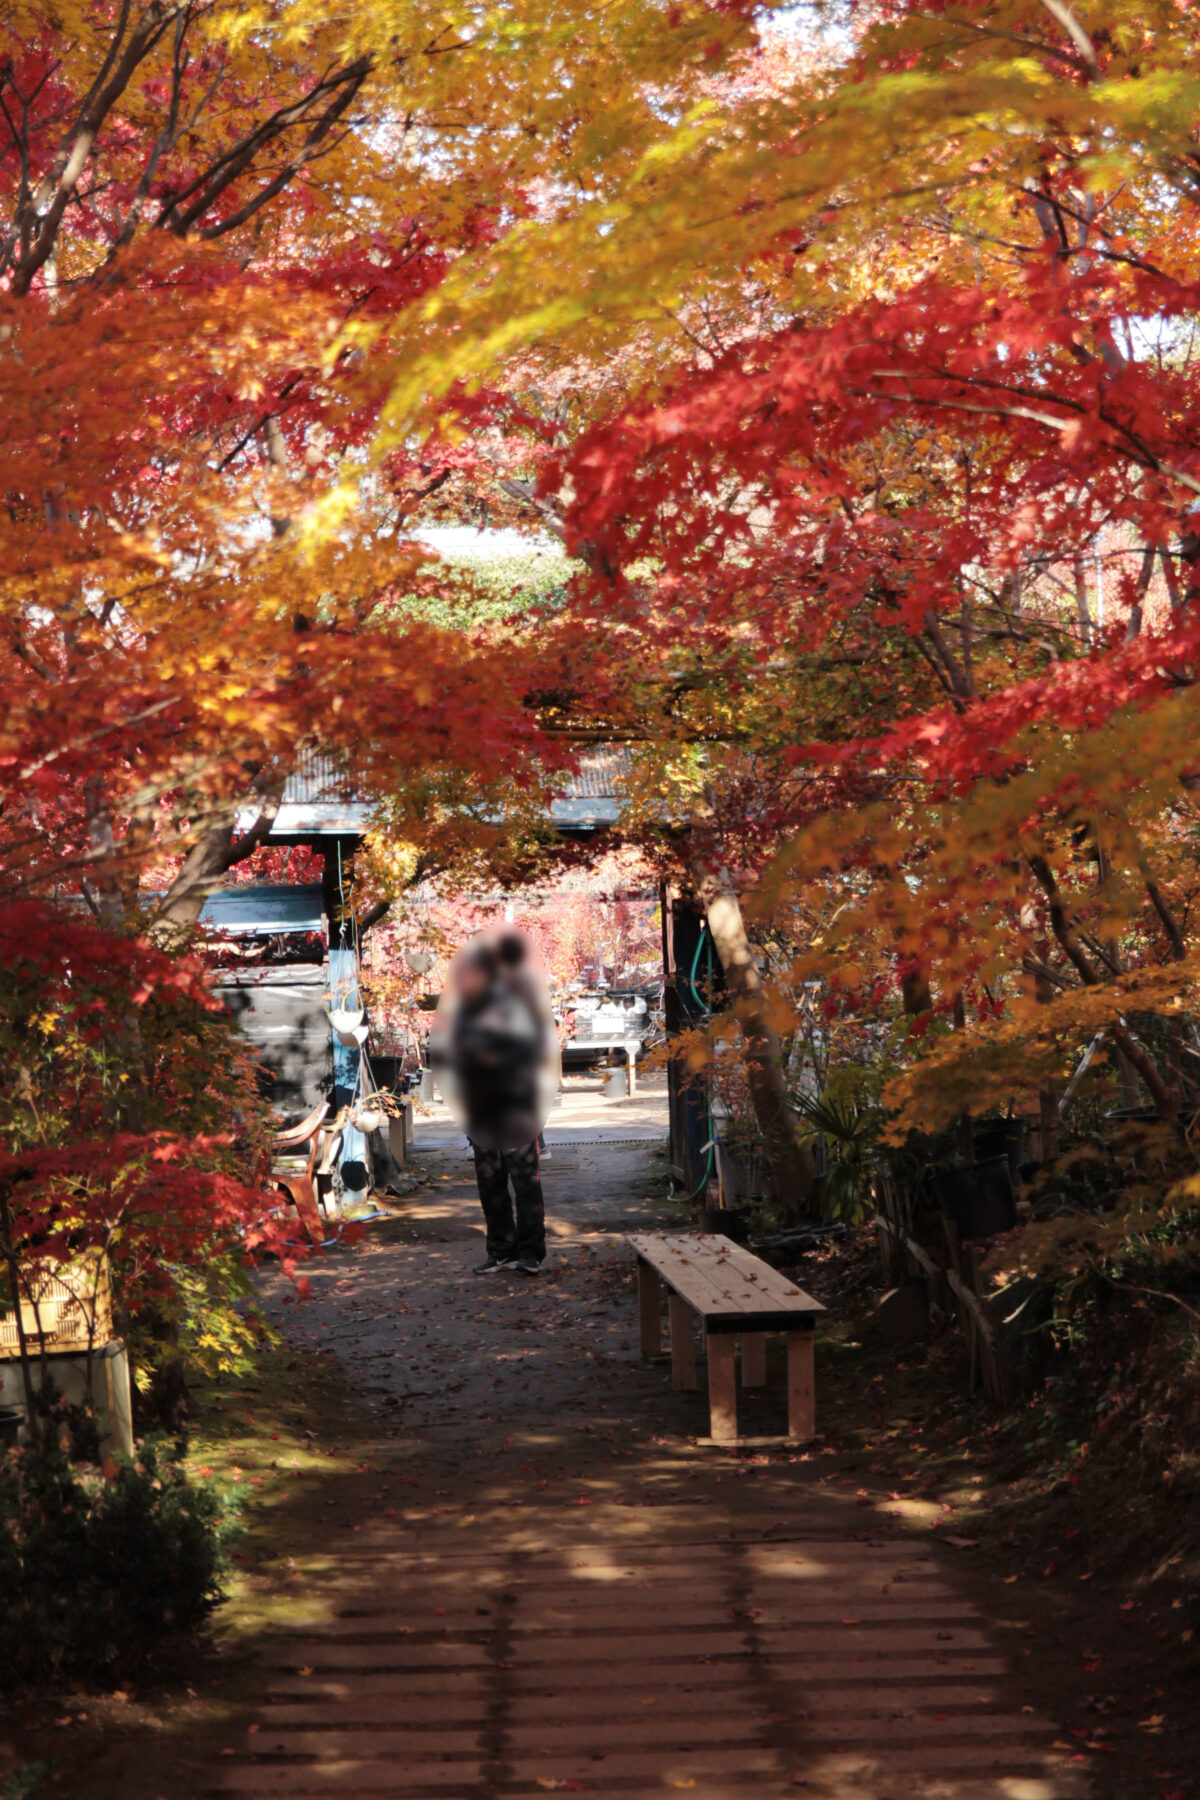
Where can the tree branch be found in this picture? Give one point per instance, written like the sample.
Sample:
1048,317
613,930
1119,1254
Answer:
63,178
338,89
257,834
1068,943
1060,11
373,914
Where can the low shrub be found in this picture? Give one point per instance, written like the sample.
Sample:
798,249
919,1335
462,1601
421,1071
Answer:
99,1566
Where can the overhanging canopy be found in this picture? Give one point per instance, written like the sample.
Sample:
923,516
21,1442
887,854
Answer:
264,911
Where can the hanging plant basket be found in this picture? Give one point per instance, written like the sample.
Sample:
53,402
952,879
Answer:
346,1018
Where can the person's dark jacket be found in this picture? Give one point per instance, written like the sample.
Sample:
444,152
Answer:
496,1050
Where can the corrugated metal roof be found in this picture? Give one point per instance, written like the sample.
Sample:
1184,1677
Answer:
321,777
318,778
602,771
323,800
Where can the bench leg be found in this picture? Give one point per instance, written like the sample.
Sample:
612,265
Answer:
754,1359
802,1411
649,1309
722,1388
683,1343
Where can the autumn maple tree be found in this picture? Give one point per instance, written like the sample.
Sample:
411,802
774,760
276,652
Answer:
215,220
866,404
853,366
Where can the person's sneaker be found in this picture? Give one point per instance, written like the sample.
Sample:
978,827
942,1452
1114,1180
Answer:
527,1265
491,1264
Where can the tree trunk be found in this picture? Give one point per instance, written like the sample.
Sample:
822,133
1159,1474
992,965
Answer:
916,992
179,913
966,1125
1043,993
1166,1098
12,1266
792,1168
216,850
166,1405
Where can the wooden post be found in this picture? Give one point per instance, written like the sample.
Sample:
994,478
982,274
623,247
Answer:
754,1358
649,1308
722,1388
683,1345
802,1412
110,1398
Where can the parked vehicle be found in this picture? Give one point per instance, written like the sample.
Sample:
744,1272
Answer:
603,1022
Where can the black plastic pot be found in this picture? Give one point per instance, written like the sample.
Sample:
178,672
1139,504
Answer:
978,1197
731,1221
390,1074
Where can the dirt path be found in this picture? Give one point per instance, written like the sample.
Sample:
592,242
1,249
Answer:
556,1589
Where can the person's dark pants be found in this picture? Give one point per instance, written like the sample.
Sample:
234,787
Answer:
507,1235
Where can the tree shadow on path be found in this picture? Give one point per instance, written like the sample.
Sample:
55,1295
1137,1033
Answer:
534,1579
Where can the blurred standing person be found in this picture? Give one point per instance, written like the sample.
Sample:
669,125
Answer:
491,1048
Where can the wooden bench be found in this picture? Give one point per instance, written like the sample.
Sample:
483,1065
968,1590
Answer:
733,1294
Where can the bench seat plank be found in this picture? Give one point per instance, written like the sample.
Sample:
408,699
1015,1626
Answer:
733,1263
731,1289
694,1276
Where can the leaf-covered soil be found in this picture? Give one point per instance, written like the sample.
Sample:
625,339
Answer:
416,1406
1085,1538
